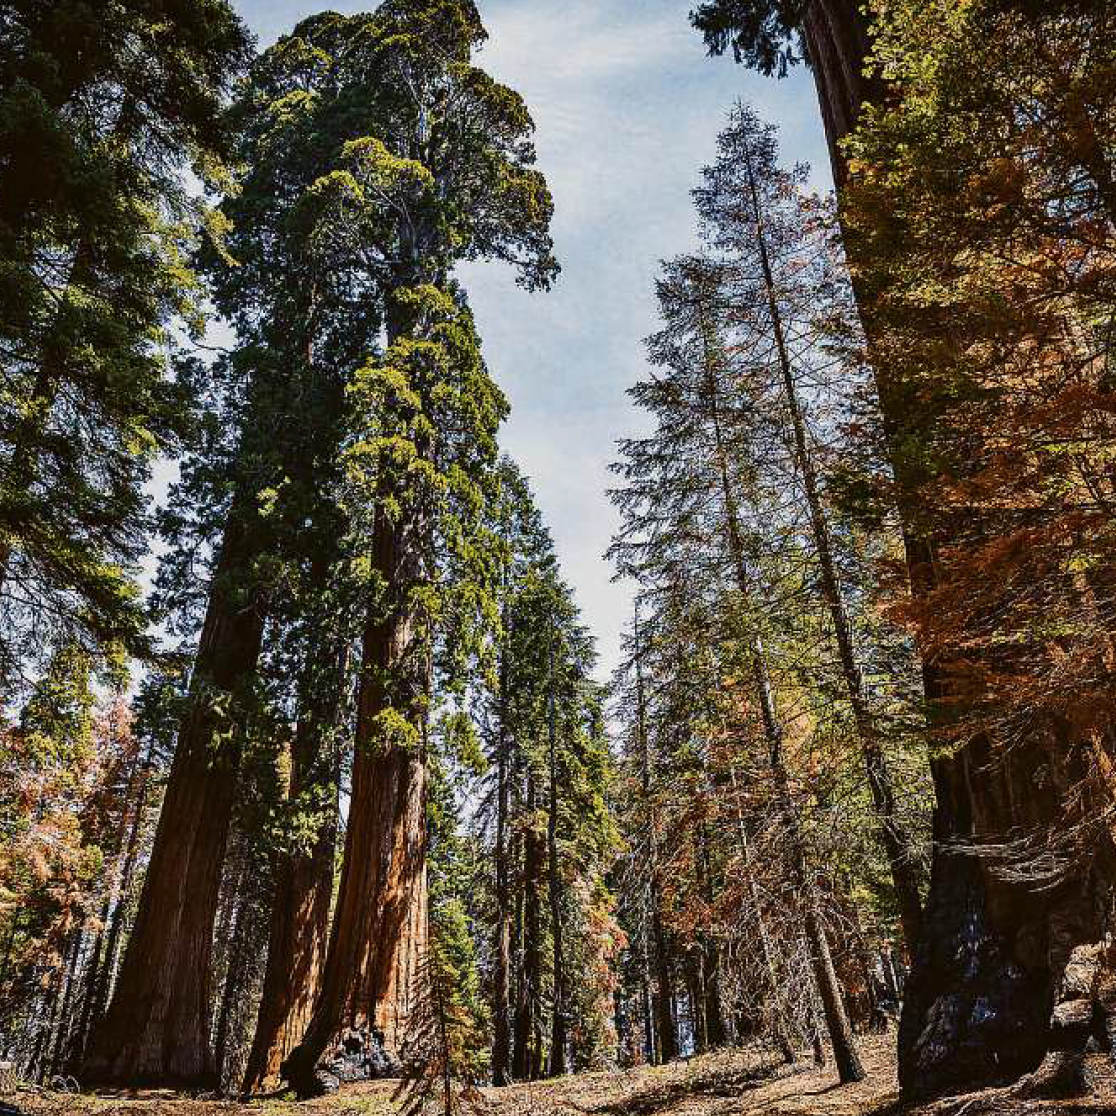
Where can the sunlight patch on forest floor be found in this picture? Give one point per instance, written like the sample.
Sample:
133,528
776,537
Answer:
736,1083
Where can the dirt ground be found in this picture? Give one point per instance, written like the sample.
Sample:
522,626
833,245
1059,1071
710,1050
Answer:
726,1084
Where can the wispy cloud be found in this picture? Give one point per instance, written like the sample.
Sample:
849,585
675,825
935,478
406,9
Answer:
627,108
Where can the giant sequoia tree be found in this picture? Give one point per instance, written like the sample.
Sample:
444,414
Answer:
1015,81
255,500
444,176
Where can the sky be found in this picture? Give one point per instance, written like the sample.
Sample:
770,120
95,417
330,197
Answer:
627,107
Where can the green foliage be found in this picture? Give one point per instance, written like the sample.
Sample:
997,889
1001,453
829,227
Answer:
763,34
400,464
735,642
542,690
102,110
979,215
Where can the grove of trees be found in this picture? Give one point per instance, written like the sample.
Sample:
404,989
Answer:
340,794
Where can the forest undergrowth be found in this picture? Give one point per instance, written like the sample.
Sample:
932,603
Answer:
738,1082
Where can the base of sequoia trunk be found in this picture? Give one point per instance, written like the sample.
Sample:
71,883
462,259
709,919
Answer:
975,1011
356,1056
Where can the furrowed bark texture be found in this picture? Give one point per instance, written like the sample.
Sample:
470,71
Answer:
982,982
156,1031
379,929
299,929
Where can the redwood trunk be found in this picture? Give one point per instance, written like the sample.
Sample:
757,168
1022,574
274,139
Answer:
379,930
156,1031
991,954
300,906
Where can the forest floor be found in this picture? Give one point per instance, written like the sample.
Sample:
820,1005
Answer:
738,1083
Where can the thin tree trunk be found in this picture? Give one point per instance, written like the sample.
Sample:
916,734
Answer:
840,1033
645,996
100,989
666,1031
528,1021
133,798
233,988
558,1019
695,992
62,1029
767,951
519,991
501,1035
665,1025
841,1039
893,837
710,956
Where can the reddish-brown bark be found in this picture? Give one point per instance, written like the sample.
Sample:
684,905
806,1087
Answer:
299,929
157,1028
992,951
379,929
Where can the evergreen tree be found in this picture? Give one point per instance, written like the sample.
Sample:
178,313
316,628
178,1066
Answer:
708,504
104,109
551,835
445,176
985,270
770,303
256,510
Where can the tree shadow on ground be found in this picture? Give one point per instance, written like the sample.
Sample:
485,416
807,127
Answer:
715,1084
